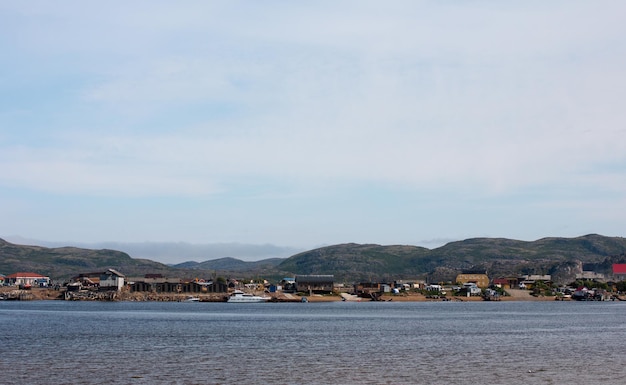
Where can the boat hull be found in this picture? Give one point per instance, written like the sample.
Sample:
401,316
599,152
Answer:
240,297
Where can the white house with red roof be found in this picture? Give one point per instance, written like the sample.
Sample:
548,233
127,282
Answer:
27,279
619,271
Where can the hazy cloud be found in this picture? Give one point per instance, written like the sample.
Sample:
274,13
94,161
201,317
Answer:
261,107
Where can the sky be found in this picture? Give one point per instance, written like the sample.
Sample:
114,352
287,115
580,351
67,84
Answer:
303,124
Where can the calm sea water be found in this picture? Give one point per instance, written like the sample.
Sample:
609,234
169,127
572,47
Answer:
56,342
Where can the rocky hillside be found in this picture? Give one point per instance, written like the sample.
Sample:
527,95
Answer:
561,257
360,262
499,257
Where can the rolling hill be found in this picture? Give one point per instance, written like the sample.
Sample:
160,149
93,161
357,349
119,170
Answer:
232,264
361,262
497,256
61,263
350,262
232,267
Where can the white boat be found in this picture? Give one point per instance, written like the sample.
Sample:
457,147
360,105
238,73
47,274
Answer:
239,296
350,297
192,299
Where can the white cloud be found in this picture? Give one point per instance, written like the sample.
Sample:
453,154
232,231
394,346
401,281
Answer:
192,101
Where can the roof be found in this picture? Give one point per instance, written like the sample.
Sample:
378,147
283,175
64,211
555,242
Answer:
114,272
315,278
88,275
25,275
619,268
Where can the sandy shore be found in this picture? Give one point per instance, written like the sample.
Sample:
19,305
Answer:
514,295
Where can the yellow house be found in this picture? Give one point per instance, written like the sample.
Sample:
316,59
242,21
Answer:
481,280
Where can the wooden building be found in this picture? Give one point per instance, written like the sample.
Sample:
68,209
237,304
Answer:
111,280
175,285
479,278
365,289
105,281
529,282
318,284
506,283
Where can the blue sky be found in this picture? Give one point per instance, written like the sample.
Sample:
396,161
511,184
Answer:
312,123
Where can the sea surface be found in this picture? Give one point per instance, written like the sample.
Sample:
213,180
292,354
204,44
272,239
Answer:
57,342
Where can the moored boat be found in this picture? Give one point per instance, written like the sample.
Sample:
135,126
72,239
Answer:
239,296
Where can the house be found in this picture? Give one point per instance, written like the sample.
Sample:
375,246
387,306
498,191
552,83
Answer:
85,281
619,271
590,276
1,279
319,284
366,289
108,280
530,281
288,285
111,280
27,279
433,287
402,286
505,283
472,289
480,279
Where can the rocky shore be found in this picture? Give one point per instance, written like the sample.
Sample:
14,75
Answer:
8,293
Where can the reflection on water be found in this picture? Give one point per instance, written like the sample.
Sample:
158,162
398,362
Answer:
315,343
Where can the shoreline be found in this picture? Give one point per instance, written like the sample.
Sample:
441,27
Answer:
47,294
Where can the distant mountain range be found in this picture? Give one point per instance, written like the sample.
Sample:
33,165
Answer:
177,252
562,257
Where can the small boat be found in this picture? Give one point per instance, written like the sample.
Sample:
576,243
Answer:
192,299
350,297
239,296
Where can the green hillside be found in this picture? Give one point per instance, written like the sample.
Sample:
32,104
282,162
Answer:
561,257
497,256
359,262
480,250
64,262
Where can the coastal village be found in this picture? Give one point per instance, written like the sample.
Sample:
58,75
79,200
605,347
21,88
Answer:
113,285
